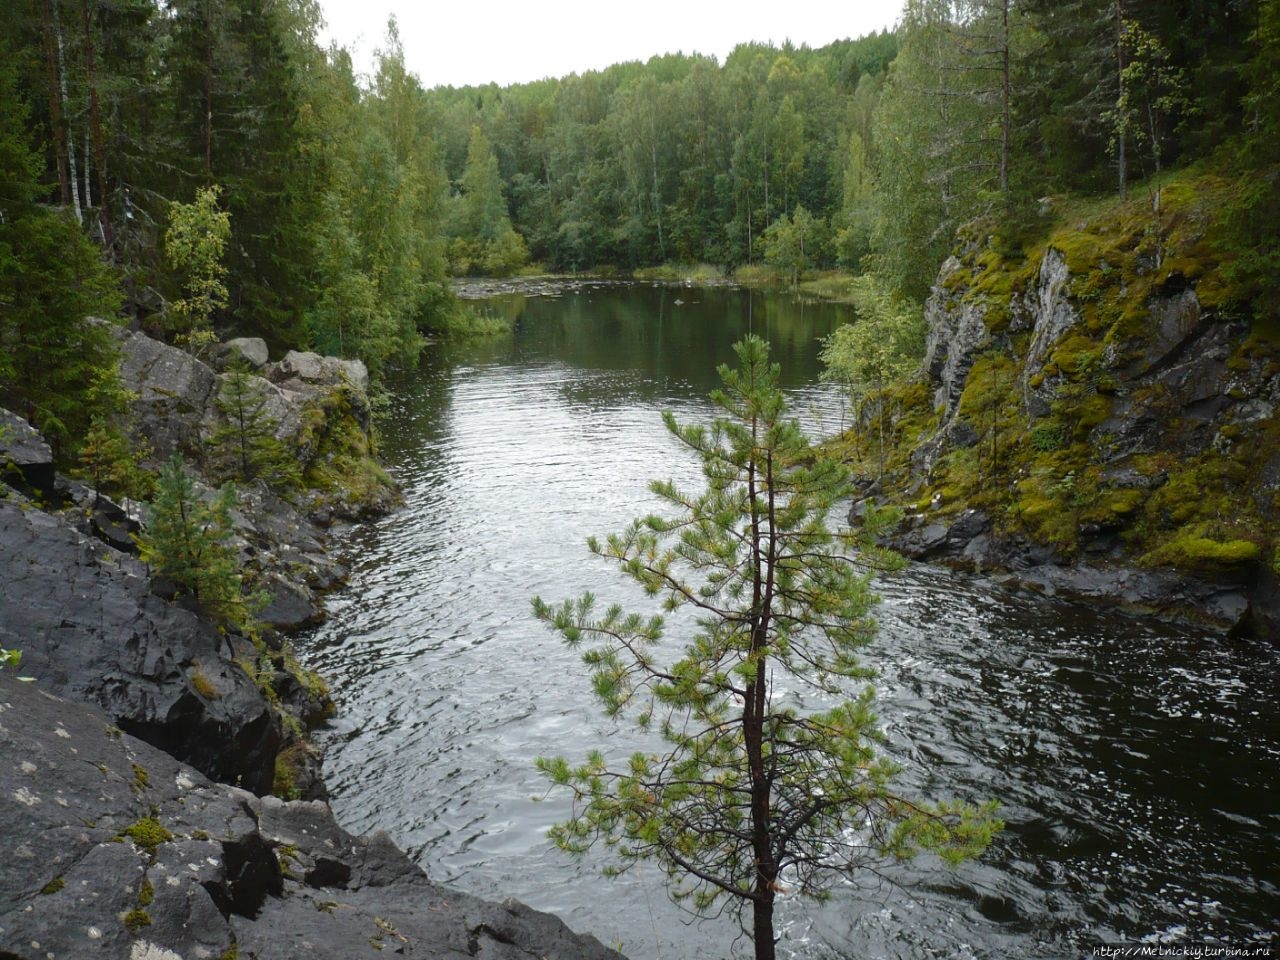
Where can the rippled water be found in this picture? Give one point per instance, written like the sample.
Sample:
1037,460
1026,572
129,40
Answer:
1137,763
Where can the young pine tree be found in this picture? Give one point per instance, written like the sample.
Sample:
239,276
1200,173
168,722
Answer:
247,441
188,540
750,793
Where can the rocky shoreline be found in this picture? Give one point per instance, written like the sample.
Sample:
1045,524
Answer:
969,542
138,765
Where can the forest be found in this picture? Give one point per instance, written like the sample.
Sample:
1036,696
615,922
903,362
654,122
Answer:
202,166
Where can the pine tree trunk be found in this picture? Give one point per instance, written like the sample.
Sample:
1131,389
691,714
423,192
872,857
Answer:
1004,104
1122,171
762,928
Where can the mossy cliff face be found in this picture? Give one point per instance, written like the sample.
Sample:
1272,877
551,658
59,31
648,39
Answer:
1096,396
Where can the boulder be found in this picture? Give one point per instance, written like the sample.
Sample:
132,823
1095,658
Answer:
175,393
250,350
116,850
311,368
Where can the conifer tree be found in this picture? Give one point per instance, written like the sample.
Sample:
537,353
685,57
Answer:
247,440
53,360
751,793
189,541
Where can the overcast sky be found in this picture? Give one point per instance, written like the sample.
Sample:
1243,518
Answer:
461,43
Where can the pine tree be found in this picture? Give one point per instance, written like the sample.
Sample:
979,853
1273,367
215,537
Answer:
751,792
189,541
54,361
247,441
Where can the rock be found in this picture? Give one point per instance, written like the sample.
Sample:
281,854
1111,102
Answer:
25,458
311,368
1053,312
1173,322
317,406
252,350
175,392
956,331
116,850
90,627
289,606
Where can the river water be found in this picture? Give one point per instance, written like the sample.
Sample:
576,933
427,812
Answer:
1137,763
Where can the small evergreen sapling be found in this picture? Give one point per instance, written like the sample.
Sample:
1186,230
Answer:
247,441
189,541
751,793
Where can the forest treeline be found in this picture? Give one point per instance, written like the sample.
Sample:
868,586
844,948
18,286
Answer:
344,201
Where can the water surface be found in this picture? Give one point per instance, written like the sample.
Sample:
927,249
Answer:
1136,761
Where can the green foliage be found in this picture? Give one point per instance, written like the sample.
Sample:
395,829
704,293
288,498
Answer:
10,658
469,323
54,362
791,242
193,246
1046,437
189,541
748,786
882,346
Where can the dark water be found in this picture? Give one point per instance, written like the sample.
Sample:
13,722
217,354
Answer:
1137,762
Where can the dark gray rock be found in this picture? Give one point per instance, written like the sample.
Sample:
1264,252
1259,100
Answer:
177,411
1160,593
1174,321
174,391
90,627
25,458
116,850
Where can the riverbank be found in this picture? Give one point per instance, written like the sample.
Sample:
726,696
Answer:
140,762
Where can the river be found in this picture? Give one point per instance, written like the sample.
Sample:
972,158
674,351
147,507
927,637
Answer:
1136,762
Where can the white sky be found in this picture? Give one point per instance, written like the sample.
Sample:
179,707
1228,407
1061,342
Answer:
506,41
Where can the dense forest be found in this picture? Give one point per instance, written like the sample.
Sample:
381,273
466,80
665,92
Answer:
205,165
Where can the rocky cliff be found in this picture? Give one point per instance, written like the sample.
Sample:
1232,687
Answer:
114,849
1097,416
136,769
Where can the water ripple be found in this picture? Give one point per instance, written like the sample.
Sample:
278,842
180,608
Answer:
1136,763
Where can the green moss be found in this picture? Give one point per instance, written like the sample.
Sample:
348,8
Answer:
53,886
231,953
146,893
1188,550
284,784
135,920
1114,504
148,833
1076,355
140,778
